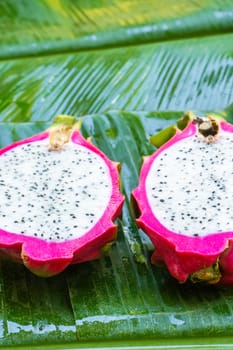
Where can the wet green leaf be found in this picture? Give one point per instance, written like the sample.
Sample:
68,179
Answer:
119,297
90,57
35,27
194,74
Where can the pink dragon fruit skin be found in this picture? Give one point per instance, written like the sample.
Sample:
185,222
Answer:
201,256
47,257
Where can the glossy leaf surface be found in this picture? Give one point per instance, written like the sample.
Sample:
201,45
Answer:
176,75
121,296
85,57
49,26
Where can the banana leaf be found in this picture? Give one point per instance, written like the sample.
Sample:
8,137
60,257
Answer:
49,26
120,297
154,60
176,75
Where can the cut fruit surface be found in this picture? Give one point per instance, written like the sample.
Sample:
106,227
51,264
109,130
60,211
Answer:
185,195
59,197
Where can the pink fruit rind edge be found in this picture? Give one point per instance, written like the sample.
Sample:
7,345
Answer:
50,258
181,254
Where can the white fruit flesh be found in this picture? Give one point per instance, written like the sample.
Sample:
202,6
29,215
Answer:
54,195
190,186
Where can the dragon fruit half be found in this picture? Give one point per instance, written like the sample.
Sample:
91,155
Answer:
185,197
59,196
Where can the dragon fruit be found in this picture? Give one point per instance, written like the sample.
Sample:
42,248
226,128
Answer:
59,197
184,201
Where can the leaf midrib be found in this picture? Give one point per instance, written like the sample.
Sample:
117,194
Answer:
71,46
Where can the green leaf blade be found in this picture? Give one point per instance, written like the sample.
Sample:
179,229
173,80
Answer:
117,298
85,57
50,27
180,75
